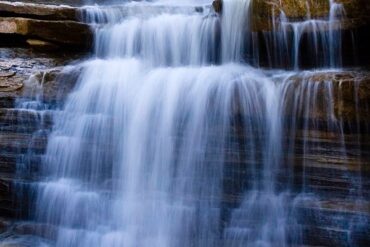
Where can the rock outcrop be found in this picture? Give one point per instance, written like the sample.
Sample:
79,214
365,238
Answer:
265,11
24,77
39,11
44,26
67,33
356,12
350,91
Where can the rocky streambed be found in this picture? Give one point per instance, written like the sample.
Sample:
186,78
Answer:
39,42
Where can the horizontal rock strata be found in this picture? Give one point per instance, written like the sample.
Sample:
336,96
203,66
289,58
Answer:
39,11
43,26
24,77
60,32
267,11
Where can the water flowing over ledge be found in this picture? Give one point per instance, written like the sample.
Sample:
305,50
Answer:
171,138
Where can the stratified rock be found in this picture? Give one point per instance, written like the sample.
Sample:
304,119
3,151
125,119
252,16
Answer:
56,83
68,33
10,85
264,11
6,73
26,75
350,91
39,11
20,65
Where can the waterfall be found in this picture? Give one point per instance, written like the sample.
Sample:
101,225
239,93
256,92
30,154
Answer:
321,35
235,25
171,139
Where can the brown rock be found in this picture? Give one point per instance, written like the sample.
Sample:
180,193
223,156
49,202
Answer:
4,224
6,73
357,12
42,45
10,85
40,11
350,91
217,5
61,32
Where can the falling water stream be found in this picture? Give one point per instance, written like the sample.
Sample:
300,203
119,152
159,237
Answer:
142,151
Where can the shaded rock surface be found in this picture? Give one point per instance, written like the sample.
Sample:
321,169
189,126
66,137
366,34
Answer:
59,32
40,11
64,2
351,94
52,25
27,78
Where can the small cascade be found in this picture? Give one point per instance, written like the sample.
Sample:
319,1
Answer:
158,41
235,26
322,36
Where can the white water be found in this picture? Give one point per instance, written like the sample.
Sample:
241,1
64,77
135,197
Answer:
141,152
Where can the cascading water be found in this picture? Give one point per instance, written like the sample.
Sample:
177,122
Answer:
236,20
322,35
145,150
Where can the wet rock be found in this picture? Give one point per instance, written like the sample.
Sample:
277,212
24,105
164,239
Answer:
19,66
4,225
10,85
17,126
334,96
56,83
39,11
41,230
67,33
42,45
5,73
76,3
264,11
350,91
217,5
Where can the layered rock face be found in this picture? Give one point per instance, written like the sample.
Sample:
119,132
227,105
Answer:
26,76
264,11
44,25
31,85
